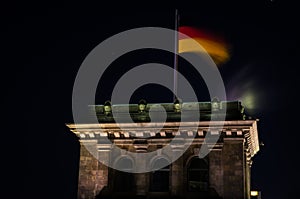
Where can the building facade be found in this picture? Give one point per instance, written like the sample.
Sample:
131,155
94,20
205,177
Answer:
225,172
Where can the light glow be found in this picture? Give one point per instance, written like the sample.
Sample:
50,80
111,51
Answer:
254,193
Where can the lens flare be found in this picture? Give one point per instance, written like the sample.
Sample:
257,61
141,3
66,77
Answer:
248,85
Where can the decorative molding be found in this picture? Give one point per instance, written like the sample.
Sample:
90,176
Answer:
230,130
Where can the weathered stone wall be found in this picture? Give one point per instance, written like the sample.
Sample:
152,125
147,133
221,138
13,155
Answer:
248,179
177,177
233,164
92,174
228,172
216,171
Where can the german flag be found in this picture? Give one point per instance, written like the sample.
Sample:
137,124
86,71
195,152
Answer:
214,45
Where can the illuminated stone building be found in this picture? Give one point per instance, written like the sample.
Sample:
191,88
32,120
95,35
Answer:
224,173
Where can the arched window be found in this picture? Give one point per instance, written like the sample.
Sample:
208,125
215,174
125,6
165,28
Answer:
160,175
124,179
197,171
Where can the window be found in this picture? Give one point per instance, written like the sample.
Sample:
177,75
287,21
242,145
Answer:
124,180
160,176
198,174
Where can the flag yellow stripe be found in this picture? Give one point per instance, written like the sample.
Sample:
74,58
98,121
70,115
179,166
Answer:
218,51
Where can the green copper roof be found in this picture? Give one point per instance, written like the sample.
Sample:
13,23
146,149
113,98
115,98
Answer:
234,111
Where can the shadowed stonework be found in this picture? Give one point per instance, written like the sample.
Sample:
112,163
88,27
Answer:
223,173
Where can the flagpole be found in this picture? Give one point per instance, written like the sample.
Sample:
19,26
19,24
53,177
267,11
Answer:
175,55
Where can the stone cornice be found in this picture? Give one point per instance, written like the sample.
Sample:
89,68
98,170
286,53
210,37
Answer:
235,123
239,129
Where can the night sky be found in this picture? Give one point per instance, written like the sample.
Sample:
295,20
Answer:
44,46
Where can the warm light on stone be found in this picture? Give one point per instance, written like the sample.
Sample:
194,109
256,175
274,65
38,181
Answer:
225,172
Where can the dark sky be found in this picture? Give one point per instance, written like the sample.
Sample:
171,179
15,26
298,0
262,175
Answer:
44,46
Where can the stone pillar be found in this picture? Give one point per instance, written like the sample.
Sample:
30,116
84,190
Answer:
88,167
177,178
141,179
141,182
216,171
177,170
248,177
92,173
233,168
102,172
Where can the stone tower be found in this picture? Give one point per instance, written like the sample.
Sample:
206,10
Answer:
224,172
